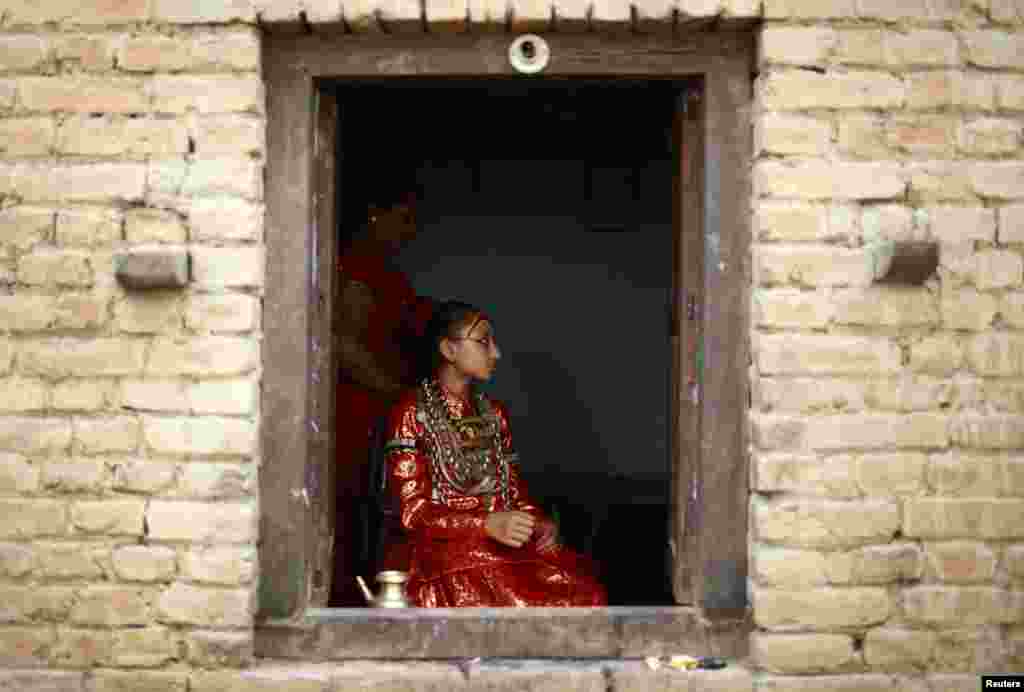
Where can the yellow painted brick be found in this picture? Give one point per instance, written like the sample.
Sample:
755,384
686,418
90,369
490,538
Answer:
25,646
796,45
898,648
821,608
109,517
221,312
230,134
106,136
102,435
790,221
143,647
80,310
991,136
22,53
988,432
235,267
1011,307
34,435
784,308
74,561
825,524
223,565
23,227
784,134
139,681
225,219
80,648
812,266
79,476
943,605
219,649
882,475
998,49
144,476
208,481
154,226
937,89
789,568
61,268
885,307
875,564
17,474
902,10
155,395
821,354
938,355
828,180
19,394
82,95
1011,223
860,46
969,310
6,355
26,136
202,436
805,475
909,393
144,563
803,89
1000,180
876,431
89,52
997,354
17,560
32,518
971,518
816,394
1009,90
88,227
864,137
960,562
960,475
221,523
153,313
202,11
117,606
958,224
921,47
931,136
207,355
206,93
809,9
80,395
940,181
229,397
191,605
87,12
787,653
265,679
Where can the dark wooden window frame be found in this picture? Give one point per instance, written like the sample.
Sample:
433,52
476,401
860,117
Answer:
710,477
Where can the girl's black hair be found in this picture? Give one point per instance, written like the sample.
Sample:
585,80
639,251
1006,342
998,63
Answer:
448,315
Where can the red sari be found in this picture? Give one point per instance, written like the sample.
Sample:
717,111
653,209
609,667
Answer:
396,314
450,464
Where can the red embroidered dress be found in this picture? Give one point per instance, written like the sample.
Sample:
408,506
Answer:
450,464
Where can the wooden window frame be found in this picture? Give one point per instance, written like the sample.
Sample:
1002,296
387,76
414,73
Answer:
712,190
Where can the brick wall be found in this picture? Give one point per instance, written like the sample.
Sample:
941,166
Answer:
888,513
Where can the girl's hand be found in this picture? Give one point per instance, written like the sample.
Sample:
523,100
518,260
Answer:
510,528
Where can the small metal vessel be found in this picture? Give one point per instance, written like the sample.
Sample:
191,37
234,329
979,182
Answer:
392,590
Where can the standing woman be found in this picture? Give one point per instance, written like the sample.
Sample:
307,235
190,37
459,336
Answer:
378,325
475,537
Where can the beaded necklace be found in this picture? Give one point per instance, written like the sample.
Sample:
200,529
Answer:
461,451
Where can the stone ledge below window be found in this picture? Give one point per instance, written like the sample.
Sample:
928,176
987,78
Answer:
332,634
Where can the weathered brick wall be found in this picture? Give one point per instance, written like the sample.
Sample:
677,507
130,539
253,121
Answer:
888,511
887,423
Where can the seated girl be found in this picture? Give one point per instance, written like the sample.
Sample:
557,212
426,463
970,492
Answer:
474,536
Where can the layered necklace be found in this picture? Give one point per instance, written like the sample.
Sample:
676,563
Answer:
465,453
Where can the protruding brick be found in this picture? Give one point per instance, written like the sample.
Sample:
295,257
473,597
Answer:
191,605
148,268
826,524
109,517
821,608
222,523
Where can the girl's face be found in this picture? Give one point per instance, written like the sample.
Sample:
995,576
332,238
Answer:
473,350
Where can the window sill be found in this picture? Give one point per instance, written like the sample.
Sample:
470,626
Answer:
327,634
